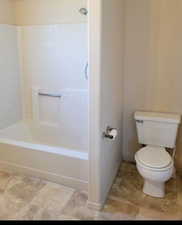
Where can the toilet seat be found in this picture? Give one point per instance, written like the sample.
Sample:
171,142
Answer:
154,157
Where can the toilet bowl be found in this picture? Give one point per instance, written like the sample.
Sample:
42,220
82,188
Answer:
156,167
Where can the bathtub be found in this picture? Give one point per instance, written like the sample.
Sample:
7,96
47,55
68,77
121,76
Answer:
28,148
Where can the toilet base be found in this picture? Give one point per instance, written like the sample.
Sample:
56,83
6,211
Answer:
154,189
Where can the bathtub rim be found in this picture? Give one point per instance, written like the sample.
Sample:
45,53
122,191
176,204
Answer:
46,148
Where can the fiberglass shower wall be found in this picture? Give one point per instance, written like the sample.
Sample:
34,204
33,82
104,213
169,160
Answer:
53,46
10,109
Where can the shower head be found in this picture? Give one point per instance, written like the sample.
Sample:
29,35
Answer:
83,11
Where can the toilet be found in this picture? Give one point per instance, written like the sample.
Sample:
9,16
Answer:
156,132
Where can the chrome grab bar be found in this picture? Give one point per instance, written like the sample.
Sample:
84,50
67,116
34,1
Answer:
86,71
50,95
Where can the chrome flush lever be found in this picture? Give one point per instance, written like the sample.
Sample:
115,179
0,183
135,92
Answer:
110,133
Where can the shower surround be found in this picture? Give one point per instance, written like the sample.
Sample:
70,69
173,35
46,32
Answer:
49,137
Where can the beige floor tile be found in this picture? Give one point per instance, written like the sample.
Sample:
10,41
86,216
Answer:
4,180
121,208
113,216
77,207
149,214
19,193
48,204
63,217
26,189
25,198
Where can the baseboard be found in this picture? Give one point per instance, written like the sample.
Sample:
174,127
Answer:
52,177
95,206
99,206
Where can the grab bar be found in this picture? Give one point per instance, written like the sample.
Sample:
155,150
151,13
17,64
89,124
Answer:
86,71
50,95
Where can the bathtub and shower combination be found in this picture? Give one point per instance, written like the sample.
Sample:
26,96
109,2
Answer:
50,140
50,149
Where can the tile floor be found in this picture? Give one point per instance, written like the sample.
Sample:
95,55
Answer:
27,198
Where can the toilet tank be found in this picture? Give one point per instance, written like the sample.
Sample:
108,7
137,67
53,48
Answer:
157,129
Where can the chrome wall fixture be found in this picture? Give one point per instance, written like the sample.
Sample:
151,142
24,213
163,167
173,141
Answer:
86,71
49,95
83,11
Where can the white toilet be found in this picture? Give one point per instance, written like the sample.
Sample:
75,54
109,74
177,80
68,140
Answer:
156,131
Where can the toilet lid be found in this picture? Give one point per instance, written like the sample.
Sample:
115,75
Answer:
155,157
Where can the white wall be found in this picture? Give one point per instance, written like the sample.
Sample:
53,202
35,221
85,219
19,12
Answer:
53,58
10,109
153,52
106,95
7,15
136,69
168,79
40,12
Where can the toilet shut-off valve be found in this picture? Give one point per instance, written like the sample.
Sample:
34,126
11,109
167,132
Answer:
110,133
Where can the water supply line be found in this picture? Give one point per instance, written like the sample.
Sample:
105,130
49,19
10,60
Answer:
173,158
174,153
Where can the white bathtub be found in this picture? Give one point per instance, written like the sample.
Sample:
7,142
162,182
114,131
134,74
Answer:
38,151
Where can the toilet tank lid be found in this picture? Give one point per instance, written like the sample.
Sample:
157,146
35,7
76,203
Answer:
157,116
